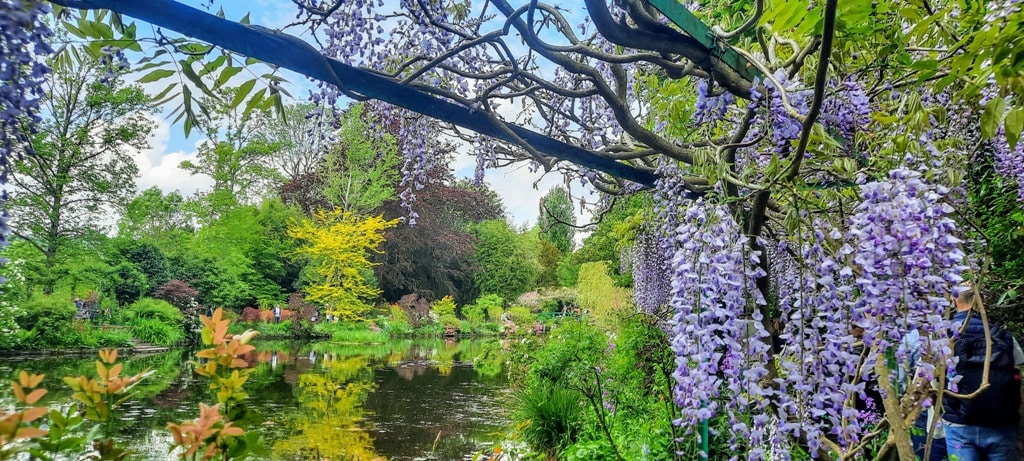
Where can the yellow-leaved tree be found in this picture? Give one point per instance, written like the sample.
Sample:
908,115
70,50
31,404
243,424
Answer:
337,244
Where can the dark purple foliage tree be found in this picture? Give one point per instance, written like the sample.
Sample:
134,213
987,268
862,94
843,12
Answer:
178,293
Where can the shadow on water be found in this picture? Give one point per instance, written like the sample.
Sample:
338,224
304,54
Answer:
316,400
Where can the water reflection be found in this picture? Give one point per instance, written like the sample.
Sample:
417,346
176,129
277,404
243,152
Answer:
395,401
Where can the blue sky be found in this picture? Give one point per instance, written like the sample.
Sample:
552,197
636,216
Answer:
170,146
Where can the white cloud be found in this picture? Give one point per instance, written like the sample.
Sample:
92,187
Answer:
157,167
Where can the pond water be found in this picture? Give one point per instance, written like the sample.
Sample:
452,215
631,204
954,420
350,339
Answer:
316,400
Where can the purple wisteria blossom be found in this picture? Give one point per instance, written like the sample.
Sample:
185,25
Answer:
23,46
719,339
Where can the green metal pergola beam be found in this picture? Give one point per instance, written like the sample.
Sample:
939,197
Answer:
694,27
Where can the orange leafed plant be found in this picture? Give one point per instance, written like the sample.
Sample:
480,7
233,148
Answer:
207,436
214,435
108,391
17,425
222,362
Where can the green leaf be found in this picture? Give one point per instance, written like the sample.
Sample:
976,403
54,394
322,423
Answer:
243,91
186,68
213,65
1014,125
164,93
991,117
74,30
226,75
104,31
156,75
189,117
255,101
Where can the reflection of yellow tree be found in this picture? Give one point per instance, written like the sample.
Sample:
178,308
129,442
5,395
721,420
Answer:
327,427
445,357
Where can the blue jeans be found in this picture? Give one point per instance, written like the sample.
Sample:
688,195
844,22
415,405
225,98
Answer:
978,443
919,437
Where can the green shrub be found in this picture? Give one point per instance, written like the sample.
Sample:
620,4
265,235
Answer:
450,321
487,328
154,309
521,315
51,319
488,307
590,450
494,313
397,313
156,331
282,328
120,337
474,313
554,415
598,293
570,355
42,308
443,307
396,327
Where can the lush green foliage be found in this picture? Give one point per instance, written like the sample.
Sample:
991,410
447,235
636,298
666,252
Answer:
154,331
557,218
82,167
352,332
599,294
484,308
552,416
584,396
444,306
360,171
615,230
155,321
504,258
154,309
521,315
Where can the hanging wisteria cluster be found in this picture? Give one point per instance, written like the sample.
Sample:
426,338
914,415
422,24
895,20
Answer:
719,338
651,288
886,269
23,47
1009,161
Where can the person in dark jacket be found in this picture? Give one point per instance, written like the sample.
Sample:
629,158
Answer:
983,427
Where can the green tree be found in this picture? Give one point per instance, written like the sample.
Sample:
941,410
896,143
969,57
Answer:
507,266
598,293
237,155
154,216
548,259
81,170
615,228
301,134
249,246
239,174
146,258
361,170
557,219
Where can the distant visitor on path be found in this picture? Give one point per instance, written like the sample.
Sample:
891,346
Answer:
277,313
79,305
983,427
